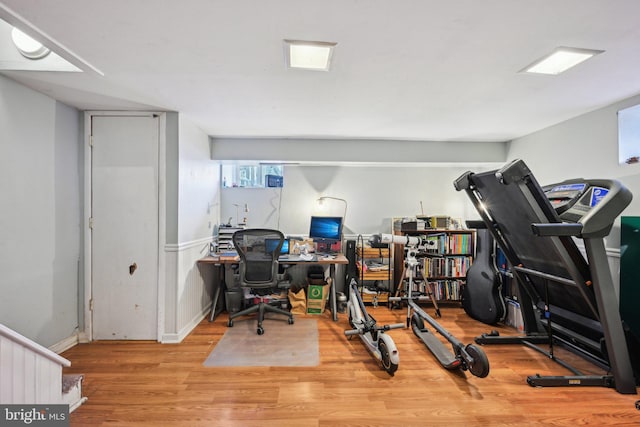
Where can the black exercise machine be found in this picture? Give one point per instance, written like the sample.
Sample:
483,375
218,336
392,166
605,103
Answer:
564,298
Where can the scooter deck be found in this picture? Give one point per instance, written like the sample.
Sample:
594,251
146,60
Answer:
439,350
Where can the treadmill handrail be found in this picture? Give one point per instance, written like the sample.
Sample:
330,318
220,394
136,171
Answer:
544,275
557,229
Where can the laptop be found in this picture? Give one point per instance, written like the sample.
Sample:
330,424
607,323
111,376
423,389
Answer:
271,244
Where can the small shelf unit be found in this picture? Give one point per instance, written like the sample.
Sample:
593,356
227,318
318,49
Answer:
375,271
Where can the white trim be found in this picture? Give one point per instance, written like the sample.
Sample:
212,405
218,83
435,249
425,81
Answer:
186,330
611,252
77,404
179,247
83,338
65,344
88,321
162,222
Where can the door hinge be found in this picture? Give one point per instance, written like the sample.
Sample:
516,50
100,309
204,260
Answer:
91,223
90,140
91,304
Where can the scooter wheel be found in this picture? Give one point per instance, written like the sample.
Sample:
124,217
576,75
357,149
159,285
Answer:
387,365
480,366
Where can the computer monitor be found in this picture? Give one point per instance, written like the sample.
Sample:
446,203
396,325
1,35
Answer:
271,244
326,229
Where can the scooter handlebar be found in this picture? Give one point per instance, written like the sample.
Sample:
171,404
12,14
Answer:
394,326
350,332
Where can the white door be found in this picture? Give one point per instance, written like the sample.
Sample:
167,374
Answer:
124,261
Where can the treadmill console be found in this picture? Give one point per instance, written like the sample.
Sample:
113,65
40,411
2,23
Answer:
578,200
573,200
591,197
564,195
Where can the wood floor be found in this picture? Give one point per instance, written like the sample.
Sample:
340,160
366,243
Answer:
146,383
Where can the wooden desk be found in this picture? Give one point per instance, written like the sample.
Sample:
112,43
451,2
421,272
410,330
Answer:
221,261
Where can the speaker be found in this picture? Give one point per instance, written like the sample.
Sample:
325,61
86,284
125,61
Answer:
351,272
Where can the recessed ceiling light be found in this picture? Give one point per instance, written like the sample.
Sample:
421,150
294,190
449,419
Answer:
27,46
560,60
309,55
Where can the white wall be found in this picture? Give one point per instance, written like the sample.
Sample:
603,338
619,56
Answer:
374,195
198,184
188,285
584,147
40,220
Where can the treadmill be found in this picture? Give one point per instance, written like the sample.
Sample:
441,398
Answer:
565,298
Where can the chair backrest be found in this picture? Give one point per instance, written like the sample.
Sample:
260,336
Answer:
258,256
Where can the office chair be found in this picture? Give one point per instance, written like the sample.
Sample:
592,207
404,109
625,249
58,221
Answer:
259,269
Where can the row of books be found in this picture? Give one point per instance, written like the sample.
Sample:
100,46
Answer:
441,289
442,243
447,266
447,289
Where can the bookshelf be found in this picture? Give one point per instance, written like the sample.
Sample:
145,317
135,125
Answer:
445,262
375,272
449,256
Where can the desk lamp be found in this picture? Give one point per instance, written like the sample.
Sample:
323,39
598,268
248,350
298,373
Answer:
321,200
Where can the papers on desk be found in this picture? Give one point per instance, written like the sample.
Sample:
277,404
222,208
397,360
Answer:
298,258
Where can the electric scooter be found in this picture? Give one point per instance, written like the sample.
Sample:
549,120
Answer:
469,357
379,344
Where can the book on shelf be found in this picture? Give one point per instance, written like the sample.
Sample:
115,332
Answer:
446,266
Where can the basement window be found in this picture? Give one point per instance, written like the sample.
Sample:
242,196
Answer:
629,135
251,175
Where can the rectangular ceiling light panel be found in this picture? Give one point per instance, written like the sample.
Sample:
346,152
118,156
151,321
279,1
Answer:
560,60
309,55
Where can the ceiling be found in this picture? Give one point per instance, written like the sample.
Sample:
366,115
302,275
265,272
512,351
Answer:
402,69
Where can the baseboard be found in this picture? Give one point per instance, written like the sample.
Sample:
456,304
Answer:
186,330
83,338
65,344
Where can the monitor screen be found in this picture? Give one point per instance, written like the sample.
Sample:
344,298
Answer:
271,244
326,228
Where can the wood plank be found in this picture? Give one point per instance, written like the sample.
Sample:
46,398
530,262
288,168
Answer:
146,383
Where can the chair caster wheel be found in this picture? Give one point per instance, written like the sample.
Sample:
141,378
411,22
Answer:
230,323
291,320
260,330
